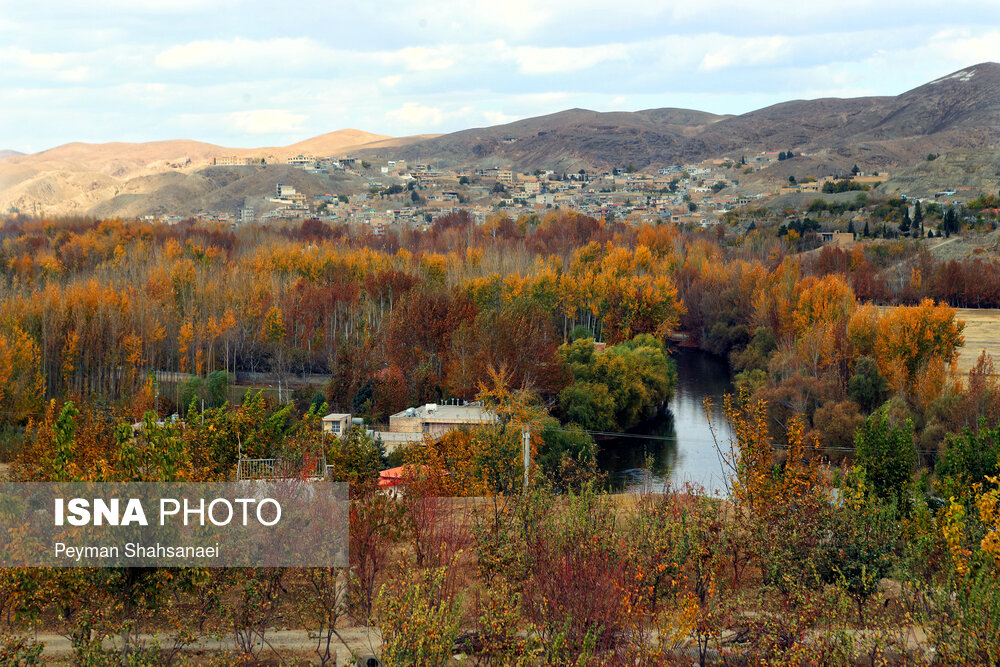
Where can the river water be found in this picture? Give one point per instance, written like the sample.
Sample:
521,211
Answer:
677,445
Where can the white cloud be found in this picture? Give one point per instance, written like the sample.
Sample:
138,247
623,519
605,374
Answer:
542,99
280,52
440,65
969,49
498,117
62,67
743,51
421,58
557,59
267,121
415,115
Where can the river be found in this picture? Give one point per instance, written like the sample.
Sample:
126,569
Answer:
676,445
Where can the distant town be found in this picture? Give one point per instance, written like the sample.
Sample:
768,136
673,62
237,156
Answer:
402,194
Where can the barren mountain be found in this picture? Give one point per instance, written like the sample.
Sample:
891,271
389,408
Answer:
332,143
80,178
9,153
567,140
956,111
221,189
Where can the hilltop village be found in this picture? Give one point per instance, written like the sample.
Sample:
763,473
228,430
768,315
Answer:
393,193
376,196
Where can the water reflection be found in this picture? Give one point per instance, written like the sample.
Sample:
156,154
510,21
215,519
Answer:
676,445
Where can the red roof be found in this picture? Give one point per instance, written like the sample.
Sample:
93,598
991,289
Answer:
393,476
396,476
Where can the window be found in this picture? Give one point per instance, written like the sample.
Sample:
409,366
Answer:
426,427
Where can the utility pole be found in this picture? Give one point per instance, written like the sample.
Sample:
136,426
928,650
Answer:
526,443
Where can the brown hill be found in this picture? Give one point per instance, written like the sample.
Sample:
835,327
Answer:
219,189
332,143
122,178
568,140
966,172
956,111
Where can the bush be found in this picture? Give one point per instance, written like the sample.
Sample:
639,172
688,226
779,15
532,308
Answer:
968,459
16,651
568,457
419,624
963,620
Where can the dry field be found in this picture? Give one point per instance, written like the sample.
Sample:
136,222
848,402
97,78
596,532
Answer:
982,332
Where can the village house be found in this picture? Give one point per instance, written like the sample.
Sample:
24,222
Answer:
412,425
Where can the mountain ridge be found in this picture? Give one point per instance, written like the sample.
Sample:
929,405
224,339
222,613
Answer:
955,112
958,110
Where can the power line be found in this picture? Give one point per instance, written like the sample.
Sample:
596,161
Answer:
668,438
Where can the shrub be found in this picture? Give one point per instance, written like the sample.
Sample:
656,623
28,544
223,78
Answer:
419,624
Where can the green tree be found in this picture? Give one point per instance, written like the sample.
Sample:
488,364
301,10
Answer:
866,386
968,459
567,456
191,391
64,430
636,376
886,455
588,404
217,388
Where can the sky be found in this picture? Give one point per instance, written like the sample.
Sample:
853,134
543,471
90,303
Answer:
244,73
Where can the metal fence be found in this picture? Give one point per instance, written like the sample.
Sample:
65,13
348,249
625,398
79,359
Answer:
281,469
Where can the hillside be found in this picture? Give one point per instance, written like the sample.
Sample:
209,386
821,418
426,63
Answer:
332,143
5,153
220,189
138,178
955,115
977,170
568,140
958,111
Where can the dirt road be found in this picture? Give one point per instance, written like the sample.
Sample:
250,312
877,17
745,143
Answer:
282,644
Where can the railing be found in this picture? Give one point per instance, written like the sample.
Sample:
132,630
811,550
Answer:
280,469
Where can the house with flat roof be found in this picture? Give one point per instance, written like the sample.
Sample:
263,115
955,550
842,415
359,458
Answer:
434,419
336,423
413,425
839,239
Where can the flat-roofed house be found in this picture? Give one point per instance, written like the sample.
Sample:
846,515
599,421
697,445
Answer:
412,425
336,423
